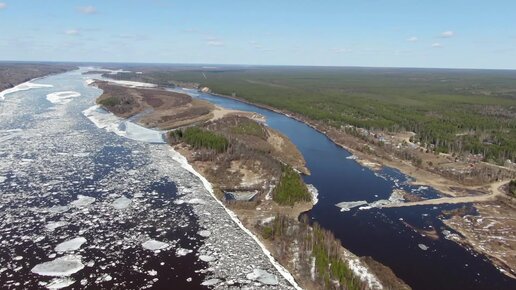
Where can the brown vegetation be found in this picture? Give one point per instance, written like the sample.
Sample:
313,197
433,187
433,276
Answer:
12,74
160,108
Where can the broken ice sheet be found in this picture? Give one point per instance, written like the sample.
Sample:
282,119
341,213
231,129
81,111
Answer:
154,245
63,266
121,202
70,245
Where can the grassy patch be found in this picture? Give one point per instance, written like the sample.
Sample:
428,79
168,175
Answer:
291,188
109,102
200,138
249,127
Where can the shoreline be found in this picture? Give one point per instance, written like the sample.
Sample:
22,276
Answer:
491,191
418,176
358,267
181,159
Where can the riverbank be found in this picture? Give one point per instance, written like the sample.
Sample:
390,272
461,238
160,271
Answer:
266,207
420,176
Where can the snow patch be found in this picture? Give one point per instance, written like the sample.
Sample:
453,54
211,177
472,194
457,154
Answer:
133,84
315,193
111,123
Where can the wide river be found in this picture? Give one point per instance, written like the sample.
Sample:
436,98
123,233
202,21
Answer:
87,208
387,235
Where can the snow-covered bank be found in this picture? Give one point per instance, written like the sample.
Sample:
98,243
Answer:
284,272
62,98
22,87
111,123
315,193
361,271
133,84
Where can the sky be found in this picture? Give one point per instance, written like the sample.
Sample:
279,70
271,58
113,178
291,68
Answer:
376,33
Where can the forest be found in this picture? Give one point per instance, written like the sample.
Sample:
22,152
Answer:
451,111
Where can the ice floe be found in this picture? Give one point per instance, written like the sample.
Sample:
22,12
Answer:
63,266
54,225
59,283
211,282
22,87
395,197
263,277
182,252
121,203
83,201
348,205
62,98
154,245
70,245
204,233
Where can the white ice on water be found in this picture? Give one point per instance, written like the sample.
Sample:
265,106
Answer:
111,123
263,277
121,203
154,245
62,98
348,205
59,283
83,201
70,245
396,197
22,87
63,266
54,225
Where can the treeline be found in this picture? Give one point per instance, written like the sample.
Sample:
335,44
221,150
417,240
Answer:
315,248
201,139
291,188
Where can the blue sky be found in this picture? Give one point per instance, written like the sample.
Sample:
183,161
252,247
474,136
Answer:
394,33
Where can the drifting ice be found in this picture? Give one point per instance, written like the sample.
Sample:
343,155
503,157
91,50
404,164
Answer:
70,245
64,266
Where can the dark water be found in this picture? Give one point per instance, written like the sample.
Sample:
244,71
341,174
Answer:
380,233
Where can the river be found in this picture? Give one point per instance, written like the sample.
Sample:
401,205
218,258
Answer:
387,235
83,207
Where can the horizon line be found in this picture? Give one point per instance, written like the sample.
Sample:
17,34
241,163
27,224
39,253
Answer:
252,65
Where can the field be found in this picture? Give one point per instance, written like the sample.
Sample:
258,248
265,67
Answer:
451,111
